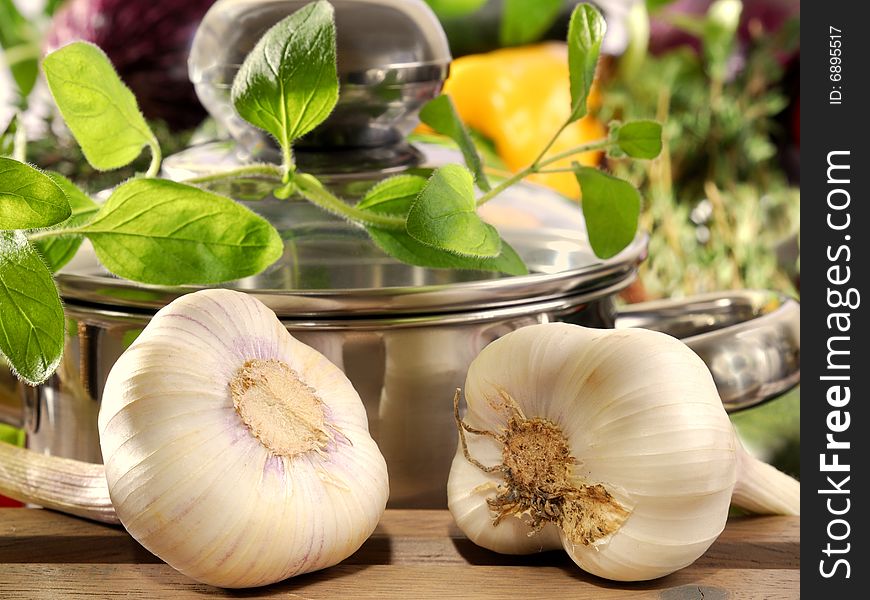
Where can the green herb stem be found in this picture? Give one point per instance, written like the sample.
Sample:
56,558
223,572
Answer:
558,170
538,165
42,234
601,144
327,201
156,159
288,166
20,53
550,143
19,141
513,179
258,169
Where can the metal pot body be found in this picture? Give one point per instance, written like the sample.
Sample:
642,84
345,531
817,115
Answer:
405,369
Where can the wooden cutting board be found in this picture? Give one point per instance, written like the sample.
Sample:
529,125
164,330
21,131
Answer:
413,554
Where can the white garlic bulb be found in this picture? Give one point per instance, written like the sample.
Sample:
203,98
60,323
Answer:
611,444
235,453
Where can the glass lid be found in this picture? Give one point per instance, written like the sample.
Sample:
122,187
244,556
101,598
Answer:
392,57
331,267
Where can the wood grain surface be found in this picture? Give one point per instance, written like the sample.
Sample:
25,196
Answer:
413,554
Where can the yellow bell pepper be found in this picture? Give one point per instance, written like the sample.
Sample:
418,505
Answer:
519,97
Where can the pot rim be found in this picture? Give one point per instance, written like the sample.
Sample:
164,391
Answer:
596,280
107,316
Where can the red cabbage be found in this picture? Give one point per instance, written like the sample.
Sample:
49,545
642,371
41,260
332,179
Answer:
148,42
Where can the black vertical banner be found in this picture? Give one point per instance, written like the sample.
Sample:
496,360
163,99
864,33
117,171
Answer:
835,190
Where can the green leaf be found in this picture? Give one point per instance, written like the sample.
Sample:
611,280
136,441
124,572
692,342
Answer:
21,44
440,114
99,109
162,232
408,250
654,5
29,199
11,435
51,7
393,196
13,25
7,138
640,139
446,9
525,21
57,251
445,216
288,84
611,208
585,34
31,315
13,141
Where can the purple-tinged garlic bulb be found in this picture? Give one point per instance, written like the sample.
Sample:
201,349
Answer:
234,452
611,444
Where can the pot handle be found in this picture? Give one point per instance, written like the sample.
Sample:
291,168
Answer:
11,403
750,339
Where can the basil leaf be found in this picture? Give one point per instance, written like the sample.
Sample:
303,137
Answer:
31,315
163,232
585,34
440,114
393,196
445,216
57,251
99,109
525,21
402,246
611,208
288,84
640,139
29,199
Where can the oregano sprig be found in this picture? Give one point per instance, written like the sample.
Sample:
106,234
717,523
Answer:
440,224
288,84
150,230
163,232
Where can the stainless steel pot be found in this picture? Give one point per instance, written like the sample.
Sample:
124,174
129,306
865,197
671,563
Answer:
405,364
404,335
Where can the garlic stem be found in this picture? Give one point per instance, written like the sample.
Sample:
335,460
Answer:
70,486
763,489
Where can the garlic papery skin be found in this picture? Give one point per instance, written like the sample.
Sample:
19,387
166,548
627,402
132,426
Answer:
653,459
234,452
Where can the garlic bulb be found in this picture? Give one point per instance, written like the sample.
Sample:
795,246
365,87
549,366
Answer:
611,444
232,451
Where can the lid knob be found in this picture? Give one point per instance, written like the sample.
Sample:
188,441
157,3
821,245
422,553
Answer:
392,58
